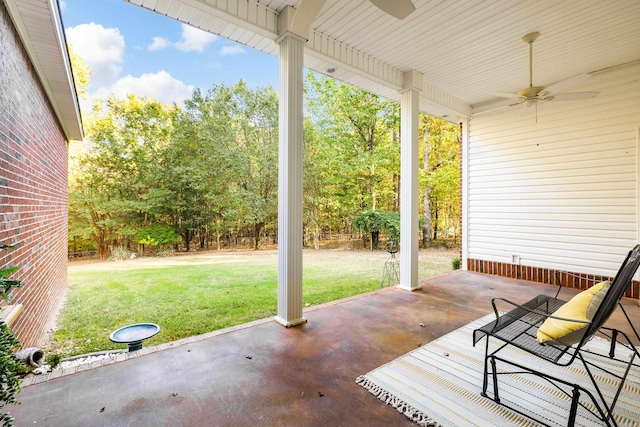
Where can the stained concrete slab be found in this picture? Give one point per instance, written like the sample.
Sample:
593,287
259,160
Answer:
268,375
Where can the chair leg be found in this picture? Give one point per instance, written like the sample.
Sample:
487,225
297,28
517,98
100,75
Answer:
574,406
486,374
494,373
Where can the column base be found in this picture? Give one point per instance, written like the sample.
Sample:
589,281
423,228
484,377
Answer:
289,323
410,289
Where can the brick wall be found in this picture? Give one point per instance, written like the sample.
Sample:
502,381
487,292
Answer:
33,189
544,275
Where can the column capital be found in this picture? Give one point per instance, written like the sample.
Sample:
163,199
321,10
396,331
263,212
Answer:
288,26
412,80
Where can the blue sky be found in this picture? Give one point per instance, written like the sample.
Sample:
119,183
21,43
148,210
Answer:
133,50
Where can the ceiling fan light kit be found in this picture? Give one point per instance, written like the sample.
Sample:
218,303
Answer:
530,96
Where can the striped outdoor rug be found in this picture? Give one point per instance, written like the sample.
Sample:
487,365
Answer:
440,383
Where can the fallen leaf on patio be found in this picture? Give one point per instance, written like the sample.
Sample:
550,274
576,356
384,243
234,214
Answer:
320,394
174,394
419,344
446,355
248,357
102,410
422,325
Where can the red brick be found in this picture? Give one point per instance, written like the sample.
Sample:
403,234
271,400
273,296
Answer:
33,190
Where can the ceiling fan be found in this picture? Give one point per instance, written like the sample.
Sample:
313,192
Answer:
308,10
397,8
530,96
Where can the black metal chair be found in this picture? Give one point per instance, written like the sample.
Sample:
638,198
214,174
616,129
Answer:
519,327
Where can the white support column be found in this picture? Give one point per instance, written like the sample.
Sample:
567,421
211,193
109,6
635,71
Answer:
290,155
464,194
413,83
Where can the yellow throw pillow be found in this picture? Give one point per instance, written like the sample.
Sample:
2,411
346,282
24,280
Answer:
581,307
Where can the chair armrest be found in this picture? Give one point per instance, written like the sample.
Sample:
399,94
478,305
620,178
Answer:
534,311
590,279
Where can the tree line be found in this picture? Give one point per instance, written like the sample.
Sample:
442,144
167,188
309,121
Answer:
206,175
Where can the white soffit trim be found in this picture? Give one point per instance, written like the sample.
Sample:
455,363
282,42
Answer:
40,28
249,22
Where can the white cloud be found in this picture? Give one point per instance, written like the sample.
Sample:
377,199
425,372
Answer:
101,48
159,43
230,50
194,39
160,86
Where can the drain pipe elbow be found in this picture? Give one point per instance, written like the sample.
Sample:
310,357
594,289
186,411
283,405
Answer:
32,357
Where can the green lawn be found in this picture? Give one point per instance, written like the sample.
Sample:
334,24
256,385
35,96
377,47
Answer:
191,295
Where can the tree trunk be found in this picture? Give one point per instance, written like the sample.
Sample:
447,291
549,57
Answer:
435,225
257,228
316,238
187,237
375,237
101,243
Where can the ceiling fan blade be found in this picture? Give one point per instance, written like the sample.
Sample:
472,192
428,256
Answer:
494,106
397,8
507,95
565,84
574,96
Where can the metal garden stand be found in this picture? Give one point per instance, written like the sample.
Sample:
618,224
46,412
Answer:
391,273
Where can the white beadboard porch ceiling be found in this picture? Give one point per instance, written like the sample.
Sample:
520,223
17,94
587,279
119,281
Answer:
466,49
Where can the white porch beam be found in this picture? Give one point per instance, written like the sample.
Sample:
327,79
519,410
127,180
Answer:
250,22
409,108
290,154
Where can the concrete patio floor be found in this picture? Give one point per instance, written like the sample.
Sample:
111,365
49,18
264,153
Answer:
267,375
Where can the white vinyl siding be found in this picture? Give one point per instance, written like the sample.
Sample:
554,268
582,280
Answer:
563,192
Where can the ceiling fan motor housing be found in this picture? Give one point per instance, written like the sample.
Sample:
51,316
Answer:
531,92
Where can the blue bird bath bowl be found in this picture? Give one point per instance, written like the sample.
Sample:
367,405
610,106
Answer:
133,335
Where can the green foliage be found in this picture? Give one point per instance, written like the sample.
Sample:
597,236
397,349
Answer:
440,177
157,235
208,170
10,369
455,264
7,284
353,158
376,221
10,366
109,183
53,360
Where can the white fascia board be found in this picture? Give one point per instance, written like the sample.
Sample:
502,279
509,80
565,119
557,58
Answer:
247,14
54,74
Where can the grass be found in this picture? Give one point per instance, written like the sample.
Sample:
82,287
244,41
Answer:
191,295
